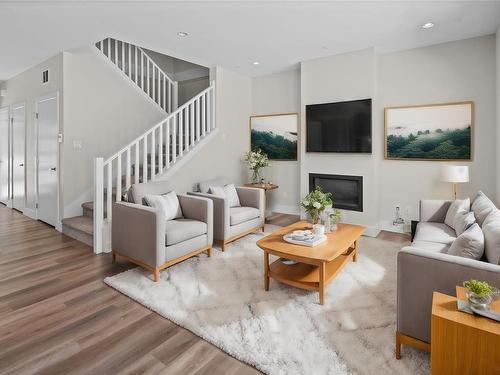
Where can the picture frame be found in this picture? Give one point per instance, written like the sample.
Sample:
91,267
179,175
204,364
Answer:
276,135
429,132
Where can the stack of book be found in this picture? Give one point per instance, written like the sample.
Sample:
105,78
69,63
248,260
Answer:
304,238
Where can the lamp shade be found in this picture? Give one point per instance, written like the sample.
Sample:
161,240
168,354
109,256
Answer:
455,173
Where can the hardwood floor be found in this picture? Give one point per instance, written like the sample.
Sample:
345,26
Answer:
58,317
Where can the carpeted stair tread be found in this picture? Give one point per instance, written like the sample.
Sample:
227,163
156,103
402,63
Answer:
84,224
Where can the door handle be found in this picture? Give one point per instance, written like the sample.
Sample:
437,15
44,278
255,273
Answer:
21,164
53,168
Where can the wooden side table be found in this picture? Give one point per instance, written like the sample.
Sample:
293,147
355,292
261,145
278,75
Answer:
266,188
462,343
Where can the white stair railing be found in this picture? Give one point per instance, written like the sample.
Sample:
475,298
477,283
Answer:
142,70
158,149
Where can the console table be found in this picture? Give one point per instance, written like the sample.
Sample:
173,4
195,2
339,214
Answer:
266,188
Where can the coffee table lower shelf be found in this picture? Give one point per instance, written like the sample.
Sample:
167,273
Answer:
308,276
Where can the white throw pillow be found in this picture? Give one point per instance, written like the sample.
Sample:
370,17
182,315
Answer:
204,186
463,221
167,203
482,206
232,195
491,230
470,244
457,207
217,191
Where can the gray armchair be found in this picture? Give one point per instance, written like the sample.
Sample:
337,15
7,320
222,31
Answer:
141,234
232,223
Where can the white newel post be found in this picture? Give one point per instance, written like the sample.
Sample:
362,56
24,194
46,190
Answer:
98,204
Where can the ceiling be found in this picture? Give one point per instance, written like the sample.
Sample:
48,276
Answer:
234,34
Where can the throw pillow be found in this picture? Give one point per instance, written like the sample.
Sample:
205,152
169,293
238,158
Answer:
204,186
491,230
482,206
167,203
463,221
469,244
217,191
458,206
232,195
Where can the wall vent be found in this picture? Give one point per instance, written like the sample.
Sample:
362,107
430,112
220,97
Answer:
45,76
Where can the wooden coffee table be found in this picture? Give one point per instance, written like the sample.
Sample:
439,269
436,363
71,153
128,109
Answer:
317,265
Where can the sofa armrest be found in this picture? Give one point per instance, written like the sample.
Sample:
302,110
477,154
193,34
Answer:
420,273
252,197
434,210
220,214
198,208
138,232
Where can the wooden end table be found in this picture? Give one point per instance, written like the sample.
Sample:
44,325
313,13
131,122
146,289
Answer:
462,343
318,265
266,188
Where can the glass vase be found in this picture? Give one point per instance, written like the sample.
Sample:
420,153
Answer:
255,176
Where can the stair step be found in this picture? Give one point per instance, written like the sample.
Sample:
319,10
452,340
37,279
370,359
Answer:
80,228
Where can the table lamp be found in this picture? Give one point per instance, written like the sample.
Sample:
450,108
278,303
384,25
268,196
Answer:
455,174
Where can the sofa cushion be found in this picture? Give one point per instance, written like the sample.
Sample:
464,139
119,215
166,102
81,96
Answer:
491,230
431,246
463,221
168,203
435,232
180,230
470,244
204,186
458,206
239,215
482,206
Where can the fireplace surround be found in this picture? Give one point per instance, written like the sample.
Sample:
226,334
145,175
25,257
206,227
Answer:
347,191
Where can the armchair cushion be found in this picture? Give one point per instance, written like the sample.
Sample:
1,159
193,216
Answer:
167,203
239,215
137,192
435,232
183,229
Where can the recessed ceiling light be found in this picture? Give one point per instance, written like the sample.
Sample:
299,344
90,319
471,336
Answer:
182,34
428,25
256,63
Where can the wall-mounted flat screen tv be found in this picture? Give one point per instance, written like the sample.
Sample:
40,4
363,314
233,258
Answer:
339,127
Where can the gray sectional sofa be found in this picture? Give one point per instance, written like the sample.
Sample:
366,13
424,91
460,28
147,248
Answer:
427,266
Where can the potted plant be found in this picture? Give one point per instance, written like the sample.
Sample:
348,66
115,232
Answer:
315,203
256,160
480,293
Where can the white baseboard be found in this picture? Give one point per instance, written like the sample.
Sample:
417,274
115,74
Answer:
30,212
371,232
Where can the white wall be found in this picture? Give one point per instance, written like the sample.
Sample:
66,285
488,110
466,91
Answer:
338,78
272,94
27,87
222,156
450,72
498,115
456,71
103,111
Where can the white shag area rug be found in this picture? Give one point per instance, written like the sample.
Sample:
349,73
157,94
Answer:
284,330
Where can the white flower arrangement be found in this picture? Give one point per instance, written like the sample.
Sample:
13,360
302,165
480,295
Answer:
256,160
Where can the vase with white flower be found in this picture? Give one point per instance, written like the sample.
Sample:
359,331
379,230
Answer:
256,160
315,203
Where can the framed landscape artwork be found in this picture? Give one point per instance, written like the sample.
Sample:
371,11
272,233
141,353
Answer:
430,132
276,135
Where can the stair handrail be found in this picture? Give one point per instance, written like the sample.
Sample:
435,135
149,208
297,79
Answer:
173,136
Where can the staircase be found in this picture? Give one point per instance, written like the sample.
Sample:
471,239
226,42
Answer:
153,155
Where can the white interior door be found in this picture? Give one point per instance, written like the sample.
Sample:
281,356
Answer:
48,151
18,156
4,156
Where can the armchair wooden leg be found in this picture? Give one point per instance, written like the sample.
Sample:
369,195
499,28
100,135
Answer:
156,274
398,346
263,227
209,251
113,257
223,245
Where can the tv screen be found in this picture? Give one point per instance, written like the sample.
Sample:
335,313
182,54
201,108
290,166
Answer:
339,127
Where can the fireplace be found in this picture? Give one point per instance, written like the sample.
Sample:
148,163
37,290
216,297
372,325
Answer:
347,191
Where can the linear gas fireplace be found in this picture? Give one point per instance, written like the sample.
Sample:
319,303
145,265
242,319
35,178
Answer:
347,191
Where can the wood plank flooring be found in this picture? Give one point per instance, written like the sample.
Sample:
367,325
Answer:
58,317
